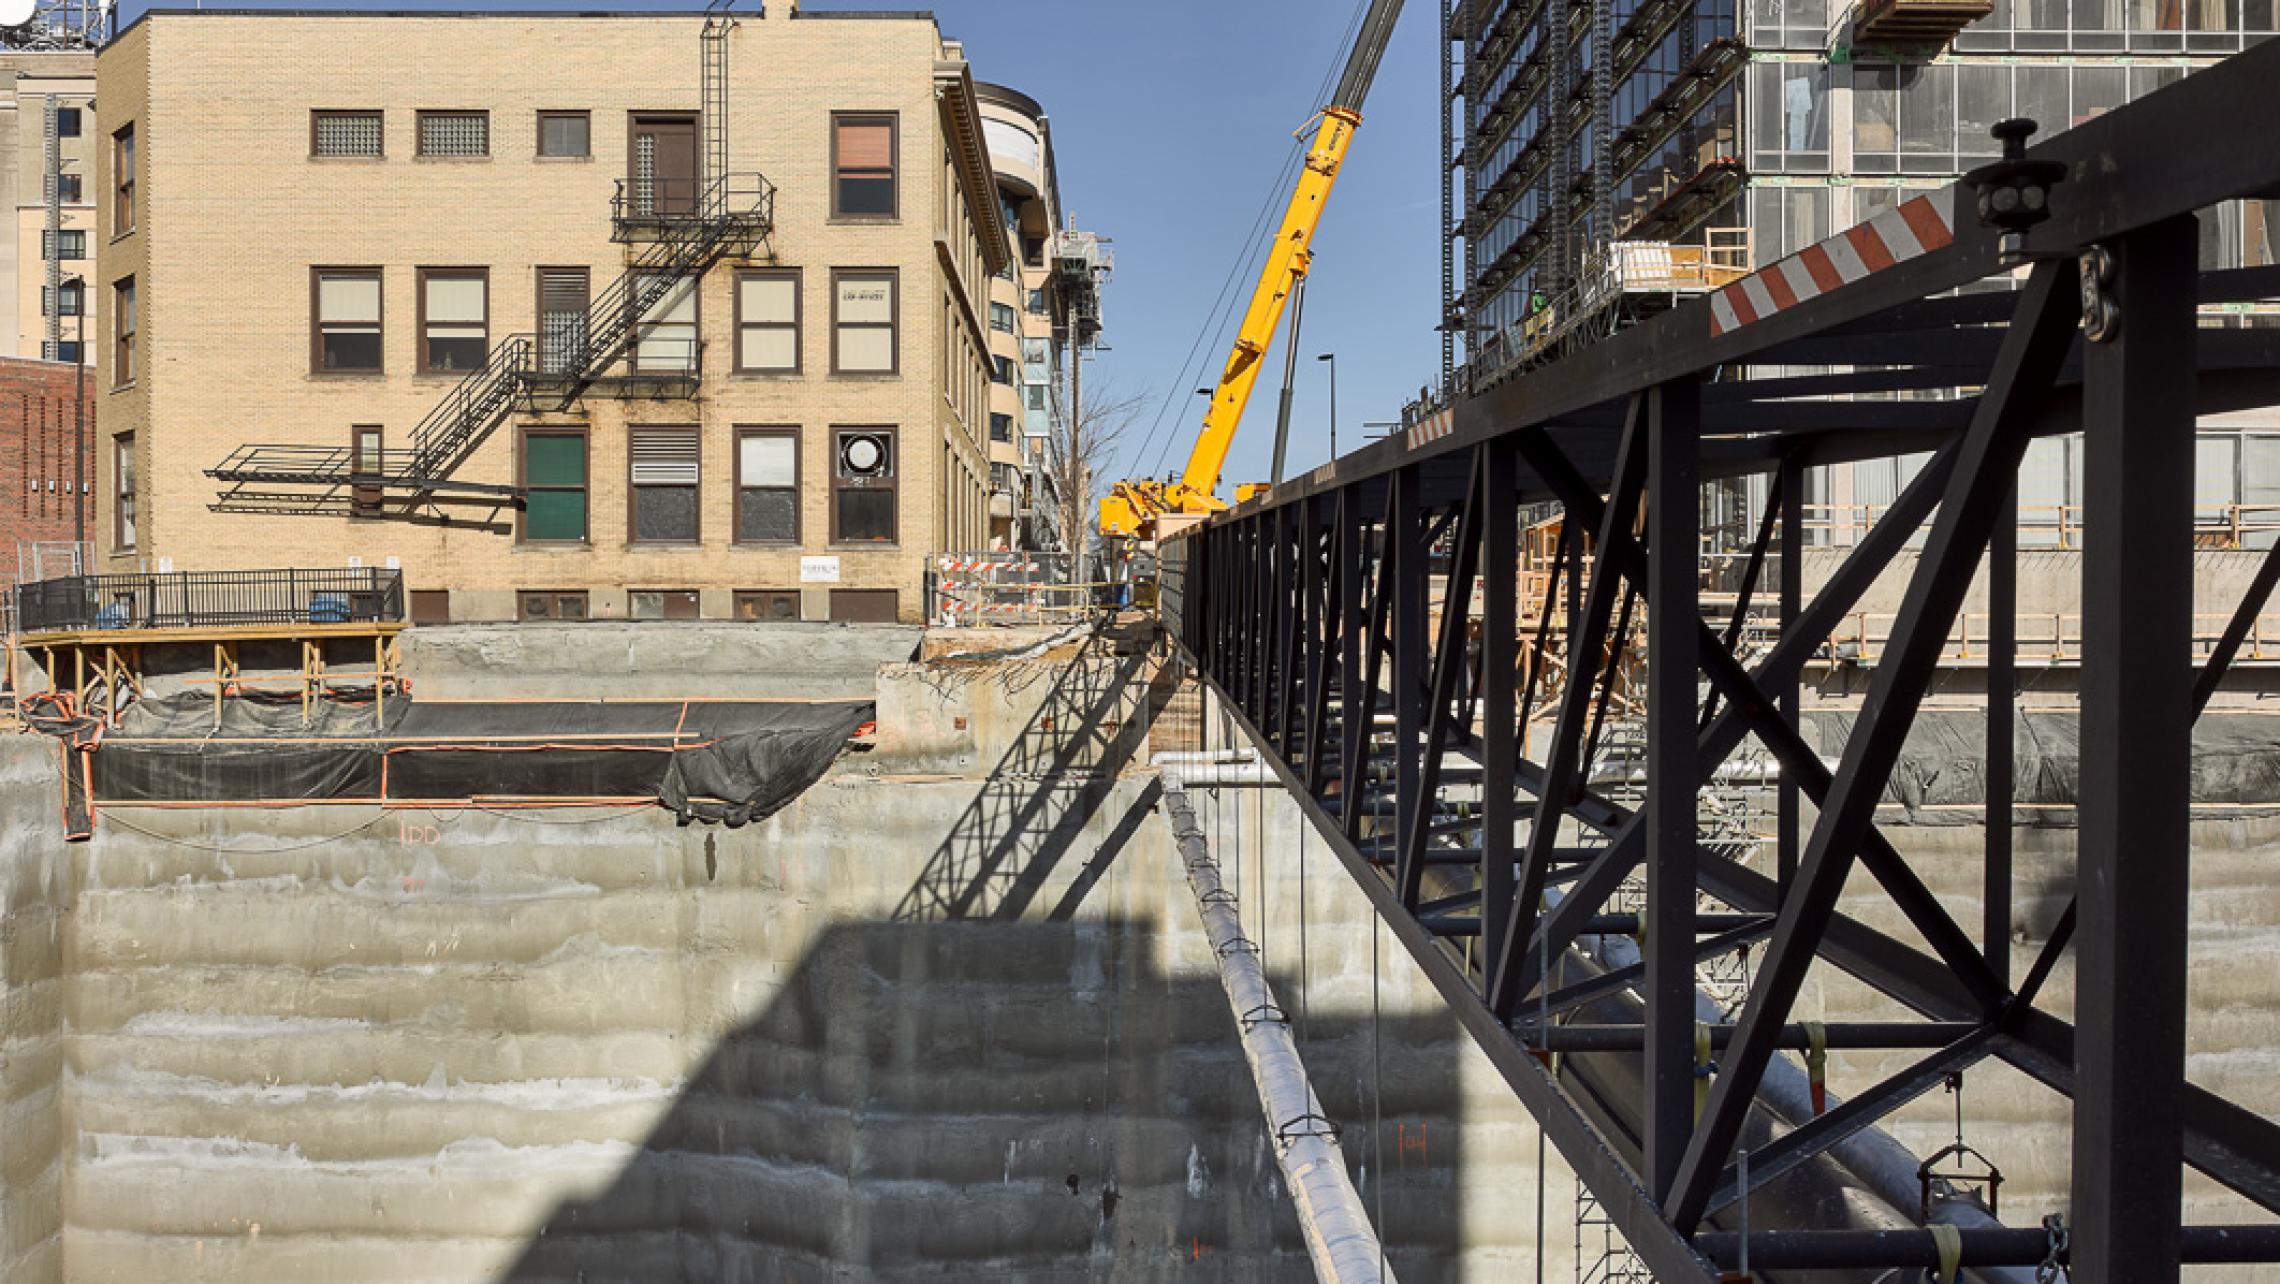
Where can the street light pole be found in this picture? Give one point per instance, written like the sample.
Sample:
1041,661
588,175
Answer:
1332,358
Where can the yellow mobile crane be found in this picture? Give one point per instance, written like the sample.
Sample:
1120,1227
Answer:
1131,508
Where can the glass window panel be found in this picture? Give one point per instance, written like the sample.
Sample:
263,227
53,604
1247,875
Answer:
554,461
1982,97
564,135
2098,90
665,513
555,515
455,134
1927,113
769,348
1876,119
867,350
349,298
2215,458
864,298
351,349
2260,233
866,515
340,134
455,299
769,298
2042,98
767,514
767,461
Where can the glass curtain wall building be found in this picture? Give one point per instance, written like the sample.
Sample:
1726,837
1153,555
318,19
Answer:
1662,120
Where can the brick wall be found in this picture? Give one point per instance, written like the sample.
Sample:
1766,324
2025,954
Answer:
36,453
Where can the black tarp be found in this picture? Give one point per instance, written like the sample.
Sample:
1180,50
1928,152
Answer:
729,761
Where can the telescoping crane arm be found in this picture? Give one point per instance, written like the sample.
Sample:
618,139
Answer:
1131,507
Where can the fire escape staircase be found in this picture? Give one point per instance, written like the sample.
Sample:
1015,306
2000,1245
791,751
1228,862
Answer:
731,217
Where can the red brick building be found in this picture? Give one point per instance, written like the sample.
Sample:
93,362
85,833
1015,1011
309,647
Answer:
46,496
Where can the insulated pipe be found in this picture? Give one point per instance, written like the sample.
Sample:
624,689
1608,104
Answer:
1339,1238
1884,1166
1207,758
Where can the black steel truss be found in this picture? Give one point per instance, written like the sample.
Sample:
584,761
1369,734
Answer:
1306,613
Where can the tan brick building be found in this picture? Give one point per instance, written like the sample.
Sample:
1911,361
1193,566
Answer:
28,80
331,220
1024,335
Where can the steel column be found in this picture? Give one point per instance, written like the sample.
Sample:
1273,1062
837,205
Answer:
2137,682
1673,593
1499,657
1789,690
2002,716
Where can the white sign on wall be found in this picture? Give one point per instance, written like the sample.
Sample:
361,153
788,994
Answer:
819,570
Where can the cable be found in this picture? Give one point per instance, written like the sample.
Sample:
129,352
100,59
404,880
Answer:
1215,321
115,819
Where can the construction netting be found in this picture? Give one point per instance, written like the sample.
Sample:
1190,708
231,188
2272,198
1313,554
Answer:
728,762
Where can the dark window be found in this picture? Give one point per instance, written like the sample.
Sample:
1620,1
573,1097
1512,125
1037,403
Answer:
554,477
661,604
123,323
662,464
458,134
73,296
863,486
123,173
71,243
565,133
756,605
865,336
1037,301
1002,317
550,604
1001,427
69,189
345,133
123,490
67,350
1001,370
863,166
346,302
67,122
455,319
768,485
768,322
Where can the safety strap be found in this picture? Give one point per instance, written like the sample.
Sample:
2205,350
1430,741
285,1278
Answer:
1817,1065
1949,1241
1702,1067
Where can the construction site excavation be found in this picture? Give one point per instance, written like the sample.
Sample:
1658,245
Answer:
630,659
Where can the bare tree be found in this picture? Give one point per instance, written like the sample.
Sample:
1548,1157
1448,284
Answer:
1089,434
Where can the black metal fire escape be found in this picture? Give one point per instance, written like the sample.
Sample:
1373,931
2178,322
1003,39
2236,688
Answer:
683,233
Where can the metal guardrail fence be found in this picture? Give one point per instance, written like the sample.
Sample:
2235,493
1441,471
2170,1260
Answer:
1001,588
210,599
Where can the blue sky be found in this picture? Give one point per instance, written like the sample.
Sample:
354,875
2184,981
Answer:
1172,121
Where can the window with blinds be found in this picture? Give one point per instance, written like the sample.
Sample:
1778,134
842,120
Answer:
863,166
864,338
663,465
347,322
768,486
454,320
345,133
768,322
455,133
665,340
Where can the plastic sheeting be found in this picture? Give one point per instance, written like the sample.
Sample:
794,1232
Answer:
727,762
1941,776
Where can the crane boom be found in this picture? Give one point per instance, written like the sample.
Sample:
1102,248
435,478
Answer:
1132,506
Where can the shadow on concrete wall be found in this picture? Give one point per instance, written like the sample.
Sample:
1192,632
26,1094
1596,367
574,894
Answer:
1047,787
1031,1101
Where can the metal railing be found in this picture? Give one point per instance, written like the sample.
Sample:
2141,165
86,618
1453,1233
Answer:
210,599
2059,526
